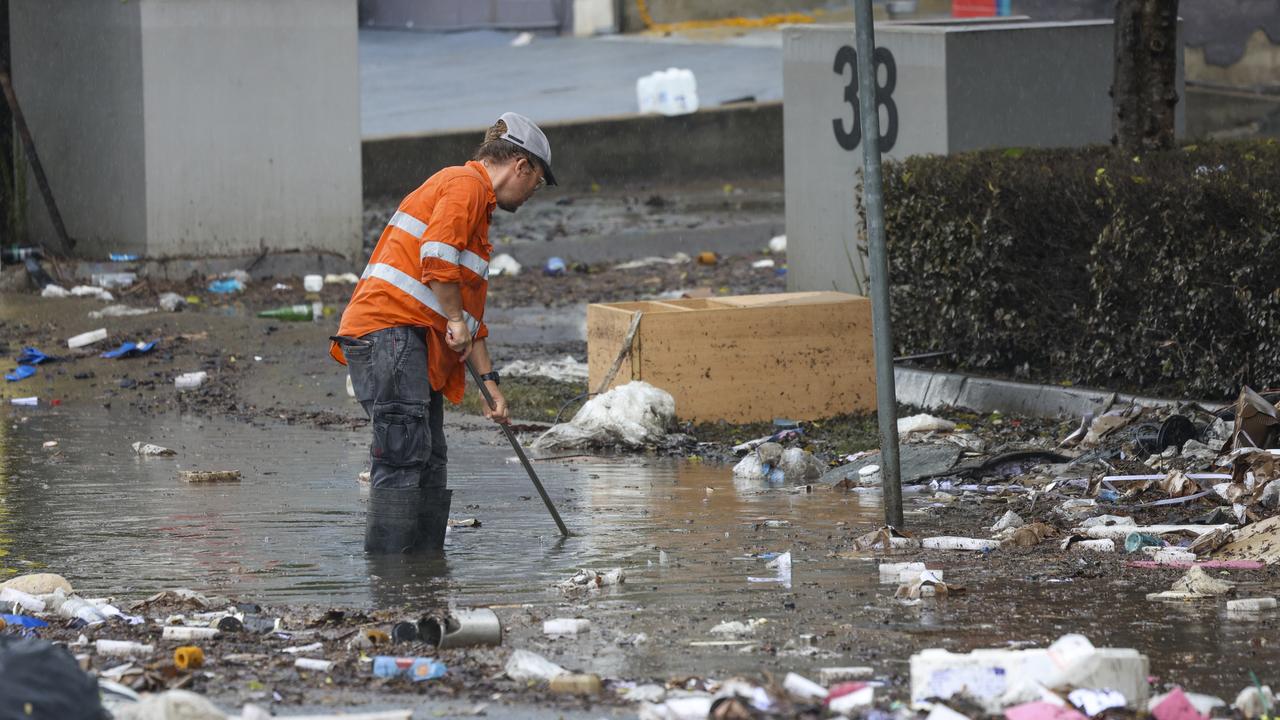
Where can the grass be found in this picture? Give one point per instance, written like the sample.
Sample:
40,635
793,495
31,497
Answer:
531,399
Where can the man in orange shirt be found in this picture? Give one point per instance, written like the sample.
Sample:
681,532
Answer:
417,315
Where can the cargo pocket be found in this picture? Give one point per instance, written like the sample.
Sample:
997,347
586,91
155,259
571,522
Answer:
359,356
400,434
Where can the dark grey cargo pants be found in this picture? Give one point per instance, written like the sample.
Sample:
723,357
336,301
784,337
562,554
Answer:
389,374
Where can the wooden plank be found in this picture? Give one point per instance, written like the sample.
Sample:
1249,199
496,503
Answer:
606,326
797,355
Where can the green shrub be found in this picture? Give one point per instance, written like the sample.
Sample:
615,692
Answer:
1155,275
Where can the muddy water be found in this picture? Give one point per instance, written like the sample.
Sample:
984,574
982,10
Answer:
291,530
687,535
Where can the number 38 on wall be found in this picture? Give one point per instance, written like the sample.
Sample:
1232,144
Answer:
847,57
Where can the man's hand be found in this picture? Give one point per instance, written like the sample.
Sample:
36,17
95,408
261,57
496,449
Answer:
498,413
459,338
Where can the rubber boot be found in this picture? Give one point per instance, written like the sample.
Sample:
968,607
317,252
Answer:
433,518
391,523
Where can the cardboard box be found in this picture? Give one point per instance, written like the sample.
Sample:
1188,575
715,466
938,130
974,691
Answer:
800,356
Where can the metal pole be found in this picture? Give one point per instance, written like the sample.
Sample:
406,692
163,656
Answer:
42,182
873,199
515,445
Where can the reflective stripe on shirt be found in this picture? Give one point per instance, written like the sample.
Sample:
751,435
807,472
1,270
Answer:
454,256
415,289
409,224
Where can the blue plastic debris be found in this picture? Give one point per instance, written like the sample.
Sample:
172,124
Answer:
555,267
226,286
122,257
32,356
22,372
130,350
24,621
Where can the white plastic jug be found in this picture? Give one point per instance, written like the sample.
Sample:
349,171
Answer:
673,91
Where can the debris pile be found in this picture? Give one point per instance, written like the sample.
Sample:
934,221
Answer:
1170,486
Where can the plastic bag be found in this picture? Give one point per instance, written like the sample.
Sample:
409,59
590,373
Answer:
631,416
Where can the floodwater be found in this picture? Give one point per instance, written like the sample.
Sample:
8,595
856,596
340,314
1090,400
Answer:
687,536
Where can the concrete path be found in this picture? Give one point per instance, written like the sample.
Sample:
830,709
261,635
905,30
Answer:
415,82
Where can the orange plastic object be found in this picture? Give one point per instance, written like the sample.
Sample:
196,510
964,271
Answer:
188,657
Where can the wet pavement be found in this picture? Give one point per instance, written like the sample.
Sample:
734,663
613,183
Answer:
687,535
405,77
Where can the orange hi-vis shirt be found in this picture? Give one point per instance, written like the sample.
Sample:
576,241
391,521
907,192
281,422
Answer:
439,233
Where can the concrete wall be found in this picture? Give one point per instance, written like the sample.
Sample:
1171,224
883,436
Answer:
77,66
434,15
253,126
956,87
1012,111
717,144
202,127
1258,66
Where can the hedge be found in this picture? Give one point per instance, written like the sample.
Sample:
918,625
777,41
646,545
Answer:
1158,274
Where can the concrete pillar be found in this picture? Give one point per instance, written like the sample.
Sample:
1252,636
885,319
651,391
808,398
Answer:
194,128
943,87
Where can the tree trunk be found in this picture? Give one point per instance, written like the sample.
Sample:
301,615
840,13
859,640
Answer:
1144,93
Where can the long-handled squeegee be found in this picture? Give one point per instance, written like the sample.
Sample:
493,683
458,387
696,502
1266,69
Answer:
515,445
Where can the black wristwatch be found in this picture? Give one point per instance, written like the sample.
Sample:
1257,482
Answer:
492,375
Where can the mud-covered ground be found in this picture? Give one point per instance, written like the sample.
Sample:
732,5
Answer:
268,368
686,533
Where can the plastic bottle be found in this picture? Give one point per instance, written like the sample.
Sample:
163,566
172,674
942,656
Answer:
1135,541
575,684
565,626
414,668
291,313
88,338
23,600
684,92
182,632
190,381
123,648
959,543
75,607
313,664
646,97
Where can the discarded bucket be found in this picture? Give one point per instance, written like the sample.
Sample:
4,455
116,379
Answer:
462,628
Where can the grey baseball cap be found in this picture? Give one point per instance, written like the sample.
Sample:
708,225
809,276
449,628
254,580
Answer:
523,132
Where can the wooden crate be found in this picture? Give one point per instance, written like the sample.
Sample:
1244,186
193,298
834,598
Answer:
800,356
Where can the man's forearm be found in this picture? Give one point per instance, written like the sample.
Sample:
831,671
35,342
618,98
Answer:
480,357
450,297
